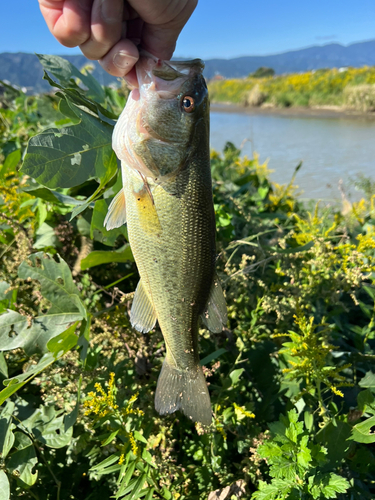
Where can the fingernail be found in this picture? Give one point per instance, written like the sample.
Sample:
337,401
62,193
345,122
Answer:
111,11
123,60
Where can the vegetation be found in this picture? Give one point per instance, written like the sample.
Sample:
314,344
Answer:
291,377
262,72
351,87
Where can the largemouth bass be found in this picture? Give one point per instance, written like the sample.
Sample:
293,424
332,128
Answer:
162,140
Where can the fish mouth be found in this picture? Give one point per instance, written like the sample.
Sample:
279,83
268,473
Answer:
165,77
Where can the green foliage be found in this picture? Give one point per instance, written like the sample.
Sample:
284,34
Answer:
352,87
296,464
77,418
263,72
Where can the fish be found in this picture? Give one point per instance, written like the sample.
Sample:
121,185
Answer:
162,140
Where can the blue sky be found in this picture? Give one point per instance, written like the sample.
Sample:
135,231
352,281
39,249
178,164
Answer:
220,28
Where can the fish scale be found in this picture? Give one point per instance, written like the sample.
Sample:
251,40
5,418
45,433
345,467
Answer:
167,191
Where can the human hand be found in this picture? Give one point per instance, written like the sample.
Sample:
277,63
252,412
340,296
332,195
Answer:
110,30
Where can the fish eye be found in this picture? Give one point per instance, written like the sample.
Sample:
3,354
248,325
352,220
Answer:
188,104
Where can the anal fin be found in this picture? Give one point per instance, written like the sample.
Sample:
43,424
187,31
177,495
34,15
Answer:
142,313
116,215
215,315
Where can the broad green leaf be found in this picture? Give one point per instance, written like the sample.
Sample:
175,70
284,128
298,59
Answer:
64,71
22,461
368,380
45,237
33,334
70,156
56,282
11,162
4,293
4,486
97,230
366,399
235,375
15,383
111,171
6,427
3,366
62,343
46,194
98,257
47,427
66,307
335,437
363,433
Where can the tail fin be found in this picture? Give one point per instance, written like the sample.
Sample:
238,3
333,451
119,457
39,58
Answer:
183,390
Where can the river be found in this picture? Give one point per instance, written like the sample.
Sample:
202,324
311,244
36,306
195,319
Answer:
331,147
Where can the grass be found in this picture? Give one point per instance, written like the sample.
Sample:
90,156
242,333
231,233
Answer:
314,88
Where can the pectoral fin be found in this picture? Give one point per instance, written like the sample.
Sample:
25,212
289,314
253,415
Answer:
215,314
142,313
116,216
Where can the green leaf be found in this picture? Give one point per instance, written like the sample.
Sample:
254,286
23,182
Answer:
56,282
4,293
235,375
111,437
70,156
45,237
64,71
66,307
22,461
62,343
50,195
71,418
97,230
105,463
327,485
368,380
335,438
362,433
46,425
6,427
214,355
365,399
4,486
139,437
11,162
15,383
99,257
278,489
3,366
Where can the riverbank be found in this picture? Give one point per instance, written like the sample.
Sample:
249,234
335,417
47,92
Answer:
296,111
338,90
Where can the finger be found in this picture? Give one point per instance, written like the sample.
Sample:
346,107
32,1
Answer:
106,26
164,21
67,20
120,59
134,30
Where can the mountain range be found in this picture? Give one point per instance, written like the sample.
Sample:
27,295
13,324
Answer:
25,70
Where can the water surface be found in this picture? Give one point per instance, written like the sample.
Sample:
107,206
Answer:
331,148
